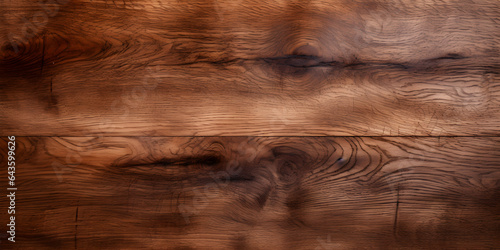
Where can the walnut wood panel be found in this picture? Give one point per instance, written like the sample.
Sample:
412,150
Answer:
216,67
256,193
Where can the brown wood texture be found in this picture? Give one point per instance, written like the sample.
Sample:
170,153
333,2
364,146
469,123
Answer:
278,68
252,124
257,193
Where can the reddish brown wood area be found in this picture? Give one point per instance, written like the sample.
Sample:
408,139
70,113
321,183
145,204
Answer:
215,67
258,193
251,124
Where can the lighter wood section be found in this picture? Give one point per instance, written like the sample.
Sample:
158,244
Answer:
172,68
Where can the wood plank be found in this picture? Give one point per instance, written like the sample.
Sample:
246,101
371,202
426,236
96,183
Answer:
215,67
256,192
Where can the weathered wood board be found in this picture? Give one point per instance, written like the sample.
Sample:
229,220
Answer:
257,193
246,68
334,124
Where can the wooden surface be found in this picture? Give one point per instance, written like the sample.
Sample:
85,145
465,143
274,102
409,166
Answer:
252,124
258,193
183,68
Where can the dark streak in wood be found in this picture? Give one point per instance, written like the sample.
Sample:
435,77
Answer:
395,227
43,54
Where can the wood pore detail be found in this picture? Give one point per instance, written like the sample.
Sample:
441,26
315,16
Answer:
272,68
257,193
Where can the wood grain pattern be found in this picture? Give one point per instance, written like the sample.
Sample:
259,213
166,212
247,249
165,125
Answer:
217,67
257,193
